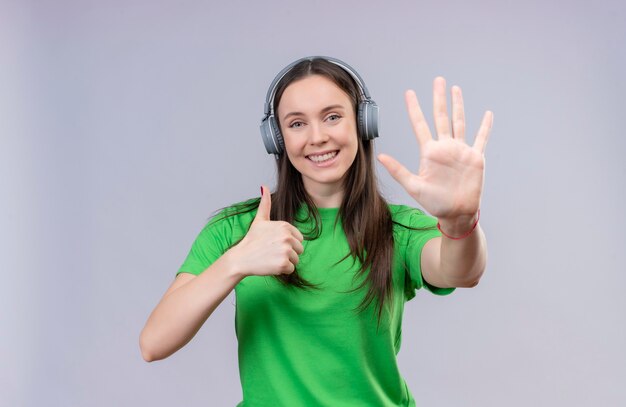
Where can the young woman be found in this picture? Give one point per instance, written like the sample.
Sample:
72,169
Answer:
322,267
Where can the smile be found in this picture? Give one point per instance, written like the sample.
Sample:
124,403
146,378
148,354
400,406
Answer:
321,158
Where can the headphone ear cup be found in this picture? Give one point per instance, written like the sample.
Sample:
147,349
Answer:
368,120
270,133
278,137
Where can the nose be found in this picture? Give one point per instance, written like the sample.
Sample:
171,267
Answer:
317,134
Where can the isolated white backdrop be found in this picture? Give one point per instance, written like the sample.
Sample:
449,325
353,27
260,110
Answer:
124,125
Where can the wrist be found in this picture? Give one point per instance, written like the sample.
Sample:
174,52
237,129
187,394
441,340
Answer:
232,265
458,227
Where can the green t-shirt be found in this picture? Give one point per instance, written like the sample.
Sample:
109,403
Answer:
310,347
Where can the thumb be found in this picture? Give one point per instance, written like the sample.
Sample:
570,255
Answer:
265,206
397,170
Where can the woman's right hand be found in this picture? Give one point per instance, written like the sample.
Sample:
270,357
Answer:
270,247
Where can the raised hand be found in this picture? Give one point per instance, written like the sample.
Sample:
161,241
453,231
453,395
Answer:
449,181
269,247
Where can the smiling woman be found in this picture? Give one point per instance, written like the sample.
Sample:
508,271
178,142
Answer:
323,266
320,136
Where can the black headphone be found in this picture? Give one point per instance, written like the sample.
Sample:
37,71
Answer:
367,112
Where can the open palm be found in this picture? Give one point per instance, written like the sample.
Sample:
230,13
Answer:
449,181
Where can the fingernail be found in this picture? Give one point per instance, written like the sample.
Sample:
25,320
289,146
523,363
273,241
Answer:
261,191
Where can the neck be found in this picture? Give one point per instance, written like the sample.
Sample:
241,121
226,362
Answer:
325,196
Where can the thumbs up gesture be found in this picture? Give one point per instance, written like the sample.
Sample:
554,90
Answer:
269,247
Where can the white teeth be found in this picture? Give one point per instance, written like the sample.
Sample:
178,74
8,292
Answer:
323,157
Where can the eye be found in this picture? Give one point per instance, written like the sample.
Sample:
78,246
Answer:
296,125
333,117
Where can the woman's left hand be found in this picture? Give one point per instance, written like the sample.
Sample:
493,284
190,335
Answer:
449,181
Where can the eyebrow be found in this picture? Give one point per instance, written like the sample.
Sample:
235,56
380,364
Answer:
324,110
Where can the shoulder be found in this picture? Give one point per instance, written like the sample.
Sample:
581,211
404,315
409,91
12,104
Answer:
232,219
403,215
411,223
237,212
225,228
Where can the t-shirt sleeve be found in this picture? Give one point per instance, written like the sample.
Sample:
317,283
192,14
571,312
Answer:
415,243
212,241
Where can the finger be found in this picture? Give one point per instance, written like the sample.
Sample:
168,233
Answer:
440,109
293,258
484,131
397,170
420,127
296,233
288,267
458,114
297,246
292,268
265,206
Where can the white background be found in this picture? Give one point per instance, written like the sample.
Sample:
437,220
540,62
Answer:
124,125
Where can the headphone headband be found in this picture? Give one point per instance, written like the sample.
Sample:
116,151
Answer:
271,92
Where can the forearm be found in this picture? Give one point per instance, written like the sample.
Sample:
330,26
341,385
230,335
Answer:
181,313
462,262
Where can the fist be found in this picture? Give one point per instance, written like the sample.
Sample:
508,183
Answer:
269,247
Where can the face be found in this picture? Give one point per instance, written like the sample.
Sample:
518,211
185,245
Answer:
318,124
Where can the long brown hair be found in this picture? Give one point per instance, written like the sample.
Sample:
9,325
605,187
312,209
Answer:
364,213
